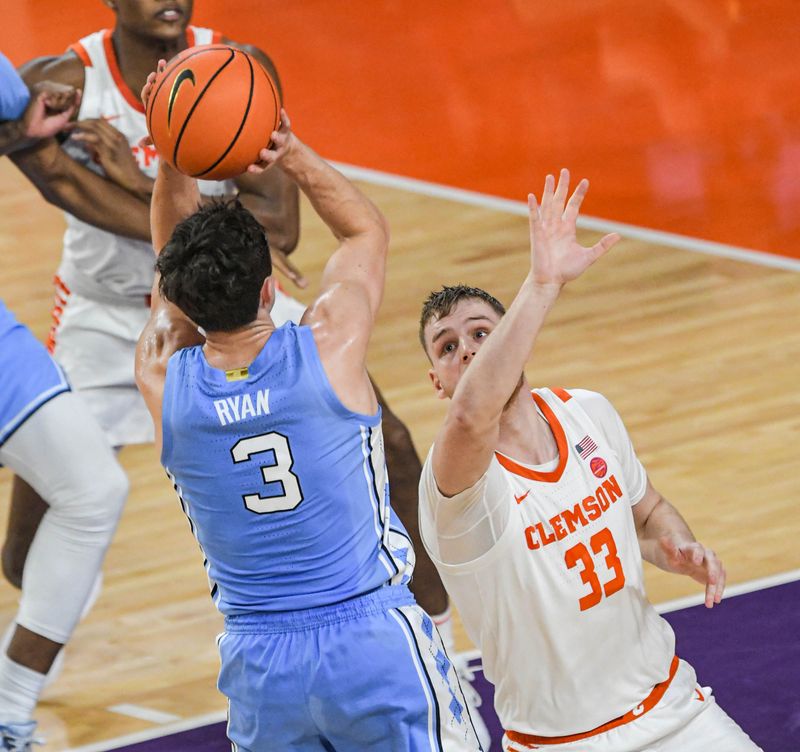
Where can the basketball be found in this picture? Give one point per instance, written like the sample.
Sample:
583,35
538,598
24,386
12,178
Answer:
212,110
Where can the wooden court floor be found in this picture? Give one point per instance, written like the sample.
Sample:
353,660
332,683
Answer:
701,355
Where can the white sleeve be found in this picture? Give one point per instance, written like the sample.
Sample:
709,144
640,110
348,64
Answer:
458,529
607,419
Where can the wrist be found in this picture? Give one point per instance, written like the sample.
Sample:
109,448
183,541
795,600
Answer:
295,157
547,291
143,188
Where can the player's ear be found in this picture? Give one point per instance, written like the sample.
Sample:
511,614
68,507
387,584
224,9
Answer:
267,295
437,385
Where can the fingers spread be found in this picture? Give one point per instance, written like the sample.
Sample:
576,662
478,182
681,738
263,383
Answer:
575,201
562,189
547,195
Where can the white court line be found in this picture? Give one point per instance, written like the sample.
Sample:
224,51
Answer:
143,713
695,600
143,736
484,200
743,587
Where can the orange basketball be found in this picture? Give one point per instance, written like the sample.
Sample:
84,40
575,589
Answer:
212,110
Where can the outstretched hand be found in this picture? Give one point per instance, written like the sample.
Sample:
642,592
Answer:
281,143
698,562
556,255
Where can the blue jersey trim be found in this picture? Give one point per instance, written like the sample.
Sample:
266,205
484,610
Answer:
8,430
432,699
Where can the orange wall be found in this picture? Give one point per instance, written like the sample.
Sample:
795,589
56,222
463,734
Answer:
683,113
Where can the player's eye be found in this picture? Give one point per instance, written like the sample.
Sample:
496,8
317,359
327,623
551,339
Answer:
481,333
448,348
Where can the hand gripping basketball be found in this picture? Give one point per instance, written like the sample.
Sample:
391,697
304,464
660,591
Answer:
210,110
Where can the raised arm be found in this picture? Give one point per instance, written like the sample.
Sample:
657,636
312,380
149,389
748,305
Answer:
343,315
466,442
175,197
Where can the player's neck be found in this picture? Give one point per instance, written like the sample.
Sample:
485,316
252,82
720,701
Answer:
137,56
524,434
237,349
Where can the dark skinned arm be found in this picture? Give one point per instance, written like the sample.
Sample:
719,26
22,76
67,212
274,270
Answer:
67,184
71,187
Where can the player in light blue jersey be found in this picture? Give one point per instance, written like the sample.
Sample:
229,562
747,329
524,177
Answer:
272,438
45,439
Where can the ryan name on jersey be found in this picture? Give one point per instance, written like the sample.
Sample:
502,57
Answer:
569,520
242,406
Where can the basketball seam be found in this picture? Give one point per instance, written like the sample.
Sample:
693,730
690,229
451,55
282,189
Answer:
241,125
194,107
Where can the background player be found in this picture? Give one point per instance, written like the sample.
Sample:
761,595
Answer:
104,280
310,565
538,513
46,438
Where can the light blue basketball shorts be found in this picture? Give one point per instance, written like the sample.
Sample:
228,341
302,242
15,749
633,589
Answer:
367,674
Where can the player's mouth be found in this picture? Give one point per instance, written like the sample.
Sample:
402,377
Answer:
170,15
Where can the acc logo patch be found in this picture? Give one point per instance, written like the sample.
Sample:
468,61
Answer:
599,467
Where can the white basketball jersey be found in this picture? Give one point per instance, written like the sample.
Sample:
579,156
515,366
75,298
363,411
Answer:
557,604
97,264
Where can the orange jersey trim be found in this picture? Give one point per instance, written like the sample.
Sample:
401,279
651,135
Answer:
561,442
116,74
563,394
531,742
113,64
81,52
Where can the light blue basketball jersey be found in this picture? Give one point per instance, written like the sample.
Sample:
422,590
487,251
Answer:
285,489
29,377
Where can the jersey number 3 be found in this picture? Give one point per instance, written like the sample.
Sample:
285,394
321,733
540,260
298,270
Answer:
580,555
278,474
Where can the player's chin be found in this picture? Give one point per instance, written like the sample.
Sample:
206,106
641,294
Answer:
167,31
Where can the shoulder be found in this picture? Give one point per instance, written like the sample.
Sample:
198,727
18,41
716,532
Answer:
65,69
259,55
604,415
594,403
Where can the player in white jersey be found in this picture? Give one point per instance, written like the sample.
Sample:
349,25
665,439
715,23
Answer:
537,513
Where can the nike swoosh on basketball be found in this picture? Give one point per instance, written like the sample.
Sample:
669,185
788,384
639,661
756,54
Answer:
520,499
187,74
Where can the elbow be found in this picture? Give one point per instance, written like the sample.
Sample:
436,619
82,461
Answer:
382,231
58,191
287,240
